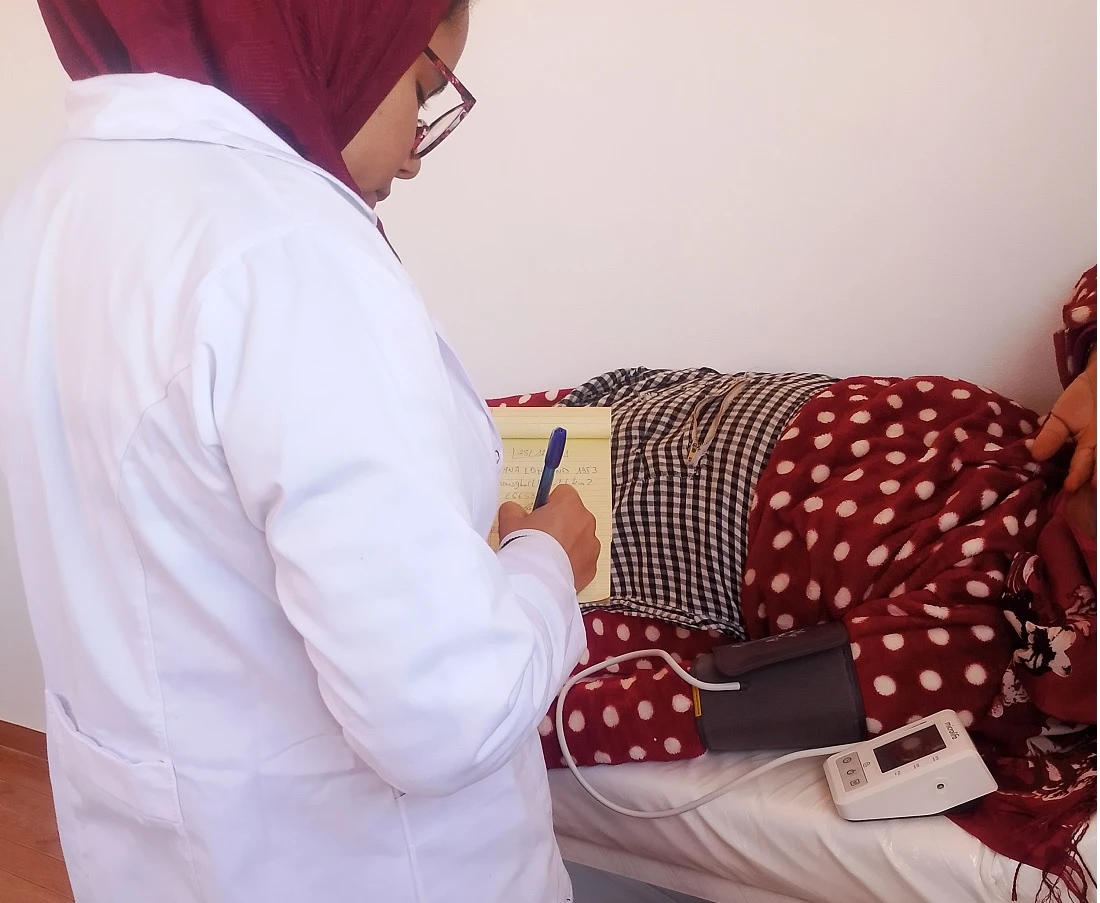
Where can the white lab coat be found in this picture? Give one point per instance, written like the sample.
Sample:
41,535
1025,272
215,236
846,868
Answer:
251,488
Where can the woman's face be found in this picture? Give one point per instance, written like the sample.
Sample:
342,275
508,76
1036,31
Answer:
382,151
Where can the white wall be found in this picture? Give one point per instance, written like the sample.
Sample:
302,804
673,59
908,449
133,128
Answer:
850,186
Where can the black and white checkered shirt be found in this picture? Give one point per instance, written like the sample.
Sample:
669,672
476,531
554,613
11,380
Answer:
681,503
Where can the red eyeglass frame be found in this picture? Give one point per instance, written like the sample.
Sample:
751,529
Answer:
468,100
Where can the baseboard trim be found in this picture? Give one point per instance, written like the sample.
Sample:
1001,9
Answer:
23,739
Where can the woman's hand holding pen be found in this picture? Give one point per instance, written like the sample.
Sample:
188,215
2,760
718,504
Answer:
565,518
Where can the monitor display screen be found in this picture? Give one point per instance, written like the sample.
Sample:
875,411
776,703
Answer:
909,748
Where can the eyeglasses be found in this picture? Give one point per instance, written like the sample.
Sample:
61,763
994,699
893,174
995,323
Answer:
428,136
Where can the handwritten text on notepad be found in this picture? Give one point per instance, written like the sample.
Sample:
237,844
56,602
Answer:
586,466
520,481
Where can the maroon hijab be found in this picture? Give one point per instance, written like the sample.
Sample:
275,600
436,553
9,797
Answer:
313,70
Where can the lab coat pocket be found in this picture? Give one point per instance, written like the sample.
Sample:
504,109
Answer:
120,822
492,840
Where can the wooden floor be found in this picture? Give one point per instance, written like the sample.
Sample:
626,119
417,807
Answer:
31,868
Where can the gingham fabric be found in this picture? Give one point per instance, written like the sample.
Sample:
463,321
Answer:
681,521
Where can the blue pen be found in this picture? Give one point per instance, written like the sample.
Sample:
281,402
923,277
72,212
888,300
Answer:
554,450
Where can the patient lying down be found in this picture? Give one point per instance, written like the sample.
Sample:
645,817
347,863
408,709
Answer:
932,518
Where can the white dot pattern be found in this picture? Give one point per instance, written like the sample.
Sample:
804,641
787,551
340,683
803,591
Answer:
931,680
890,505
973,547
878,556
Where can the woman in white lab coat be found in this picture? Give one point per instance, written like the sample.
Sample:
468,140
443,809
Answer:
252,484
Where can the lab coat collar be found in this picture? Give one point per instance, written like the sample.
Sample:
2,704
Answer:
154,107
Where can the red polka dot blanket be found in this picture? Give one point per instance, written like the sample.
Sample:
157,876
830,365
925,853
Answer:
912,511
911,516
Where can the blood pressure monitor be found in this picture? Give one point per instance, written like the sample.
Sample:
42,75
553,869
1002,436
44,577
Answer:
924,768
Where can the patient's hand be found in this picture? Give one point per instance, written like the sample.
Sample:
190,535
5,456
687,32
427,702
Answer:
1073,418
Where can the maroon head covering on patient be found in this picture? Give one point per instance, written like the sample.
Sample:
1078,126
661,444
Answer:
313,70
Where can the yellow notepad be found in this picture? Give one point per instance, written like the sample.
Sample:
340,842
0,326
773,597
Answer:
586,466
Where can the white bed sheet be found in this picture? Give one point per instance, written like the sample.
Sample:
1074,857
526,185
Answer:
775,839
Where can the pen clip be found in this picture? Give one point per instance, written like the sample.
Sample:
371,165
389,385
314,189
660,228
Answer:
555,449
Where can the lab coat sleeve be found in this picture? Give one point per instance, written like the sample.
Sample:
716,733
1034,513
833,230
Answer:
335,416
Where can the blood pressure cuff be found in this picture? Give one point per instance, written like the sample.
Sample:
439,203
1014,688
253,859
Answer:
798,691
